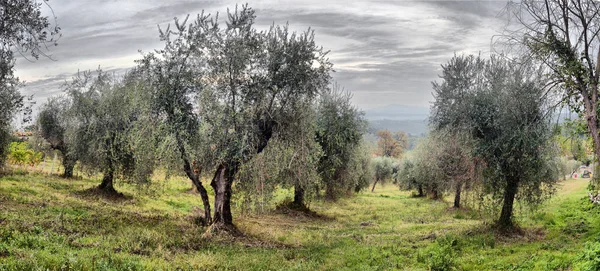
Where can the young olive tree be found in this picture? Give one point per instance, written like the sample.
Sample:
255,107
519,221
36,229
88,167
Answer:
340,127
505,110
407,176
383,169
104,130
426,171
455,160
53,122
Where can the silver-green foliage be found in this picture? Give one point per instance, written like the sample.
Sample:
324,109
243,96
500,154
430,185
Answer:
504,107
107,131
340,127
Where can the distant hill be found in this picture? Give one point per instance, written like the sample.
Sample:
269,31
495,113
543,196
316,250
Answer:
407,118
398,112
412,127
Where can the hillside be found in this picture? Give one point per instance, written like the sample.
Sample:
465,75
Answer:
52,223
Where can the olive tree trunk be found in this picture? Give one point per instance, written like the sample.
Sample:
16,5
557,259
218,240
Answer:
374,184
457,195
195,178
68,163
222,184
298,195
107,181
510,192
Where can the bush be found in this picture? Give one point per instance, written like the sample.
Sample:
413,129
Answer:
19,153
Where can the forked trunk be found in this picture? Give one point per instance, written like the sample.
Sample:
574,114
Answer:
510,192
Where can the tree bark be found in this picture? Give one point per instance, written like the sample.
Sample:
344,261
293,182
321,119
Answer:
298,196
510,192
374,184
195,178
107,182
204,197
457,195
420,190
222,184
68,163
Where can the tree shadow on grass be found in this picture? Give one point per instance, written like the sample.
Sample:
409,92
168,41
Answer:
99,194
514,234
299,211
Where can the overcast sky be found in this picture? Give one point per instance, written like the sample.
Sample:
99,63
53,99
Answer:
384,52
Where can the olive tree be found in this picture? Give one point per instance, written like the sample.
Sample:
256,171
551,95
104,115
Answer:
383,169
340,127
257,80
505,110
53,122
248,85
421,169
455,160
106,125
290,160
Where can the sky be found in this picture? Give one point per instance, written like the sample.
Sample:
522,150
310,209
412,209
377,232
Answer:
384,52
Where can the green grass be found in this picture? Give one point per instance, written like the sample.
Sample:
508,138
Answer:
48,223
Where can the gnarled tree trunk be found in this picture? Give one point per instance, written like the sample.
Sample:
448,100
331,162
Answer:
510,192
222,183
420,190
107,181
68,163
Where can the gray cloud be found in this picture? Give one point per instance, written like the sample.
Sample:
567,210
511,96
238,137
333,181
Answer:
385,52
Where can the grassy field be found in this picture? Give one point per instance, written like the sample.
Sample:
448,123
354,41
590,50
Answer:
48,223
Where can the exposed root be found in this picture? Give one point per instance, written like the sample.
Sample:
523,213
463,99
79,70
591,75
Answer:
220,229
